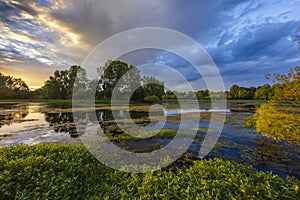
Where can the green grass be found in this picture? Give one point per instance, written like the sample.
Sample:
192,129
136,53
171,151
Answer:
204,129
70,172
162,134
250,122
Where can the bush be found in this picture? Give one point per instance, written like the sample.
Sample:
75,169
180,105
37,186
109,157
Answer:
151,99
70,172
279,124
250,122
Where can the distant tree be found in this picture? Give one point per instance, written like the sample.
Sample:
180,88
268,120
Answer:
152,86
287,86
169,95
131,79
151,99
13,88
264,92
237,92
60,85
252,91
202,94
113,72
233,92
243,93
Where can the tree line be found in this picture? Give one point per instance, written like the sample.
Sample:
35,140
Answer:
13,88
60,86
285,87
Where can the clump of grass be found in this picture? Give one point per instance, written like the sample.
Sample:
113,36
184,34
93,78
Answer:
234,122
161,134
70,172
204,129
250,122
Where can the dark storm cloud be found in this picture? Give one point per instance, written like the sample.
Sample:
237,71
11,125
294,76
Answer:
245,38
263,40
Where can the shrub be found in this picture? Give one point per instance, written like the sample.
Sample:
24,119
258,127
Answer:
70,172
279,124
151,99
250,122
214,179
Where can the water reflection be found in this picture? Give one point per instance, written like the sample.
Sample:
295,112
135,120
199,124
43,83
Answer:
243,107
11,113
62,122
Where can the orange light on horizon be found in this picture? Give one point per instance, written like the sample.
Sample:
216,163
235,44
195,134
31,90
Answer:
34,78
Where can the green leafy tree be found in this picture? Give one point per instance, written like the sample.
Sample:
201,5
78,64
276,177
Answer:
252,91
60,85
113,72
233,92
152,86
169,95
131,78
237,92
202,94
287,86
264,92
13,88
244,93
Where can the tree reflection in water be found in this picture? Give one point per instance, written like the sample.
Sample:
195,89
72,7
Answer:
64,121
11,113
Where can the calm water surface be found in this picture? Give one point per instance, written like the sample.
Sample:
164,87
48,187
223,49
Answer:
35,123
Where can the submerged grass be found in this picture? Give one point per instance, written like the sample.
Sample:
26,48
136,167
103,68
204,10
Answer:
145,135
70,172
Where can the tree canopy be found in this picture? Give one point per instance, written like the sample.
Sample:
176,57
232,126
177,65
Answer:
13,88
60,85
288,85
123,78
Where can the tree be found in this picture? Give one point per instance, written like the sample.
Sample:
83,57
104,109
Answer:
243,93
202,94
233,92
13,88
113,72
169,95
252,91
264,92
60,85
152,86
122,78
237,92
288,85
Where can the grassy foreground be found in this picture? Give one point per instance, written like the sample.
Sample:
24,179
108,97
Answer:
70,172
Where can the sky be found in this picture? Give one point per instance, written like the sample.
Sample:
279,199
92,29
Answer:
246,39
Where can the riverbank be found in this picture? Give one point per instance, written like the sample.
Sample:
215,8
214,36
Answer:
108,101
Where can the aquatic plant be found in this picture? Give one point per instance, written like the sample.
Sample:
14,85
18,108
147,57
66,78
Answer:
71,172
